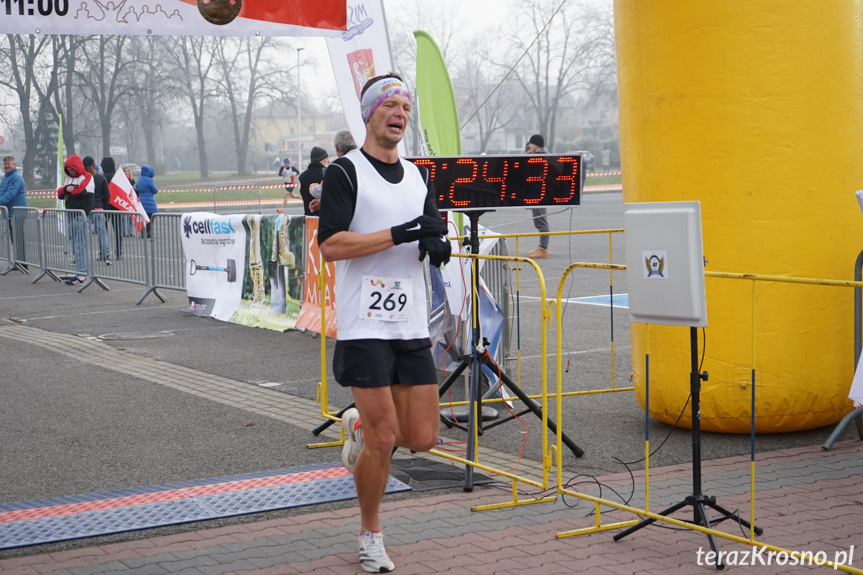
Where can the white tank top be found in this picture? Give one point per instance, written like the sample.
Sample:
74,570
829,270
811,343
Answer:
382,205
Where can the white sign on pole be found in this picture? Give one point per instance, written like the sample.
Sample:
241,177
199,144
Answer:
661,237
359,54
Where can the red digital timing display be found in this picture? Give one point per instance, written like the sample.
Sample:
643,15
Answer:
464,183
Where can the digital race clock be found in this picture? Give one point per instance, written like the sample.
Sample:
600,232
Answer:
464,183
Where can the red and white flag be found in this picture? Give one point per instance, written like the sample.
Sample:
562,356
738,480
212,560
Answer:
124,198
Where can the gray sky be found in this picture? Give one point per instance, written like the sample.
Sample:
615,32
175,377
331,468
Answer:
475,17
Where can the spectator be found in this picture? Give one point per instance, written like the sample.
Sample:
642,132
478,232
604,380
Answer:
147,194
103,197
13,194
288,173
536,145
606,159
344,142
78,193
314,174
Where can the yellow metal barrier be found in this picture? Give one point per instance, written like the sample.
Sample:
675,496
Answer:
545,316
599,502
322,396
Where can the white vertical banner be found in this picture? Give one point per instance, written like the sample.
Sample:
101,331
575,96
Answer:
359,54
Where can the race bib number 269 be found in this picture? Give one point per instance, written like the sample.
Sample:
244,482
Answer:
385,299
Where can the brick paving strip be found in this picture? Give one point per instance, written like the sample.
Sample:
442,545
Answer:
808,499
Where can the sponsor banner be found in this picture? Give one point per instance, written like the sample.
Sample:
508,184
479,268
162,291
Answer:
175,17
359,54
244,268
310,313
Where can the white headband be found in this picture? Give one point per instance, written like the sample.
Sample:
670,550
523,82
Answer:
378,92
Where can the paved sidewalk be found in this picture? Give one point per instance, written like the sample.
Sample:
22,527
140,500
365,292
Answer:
809,500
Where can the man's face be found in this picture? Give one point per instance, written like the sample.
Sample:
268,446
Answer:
8,166
532,149
390,120
325,161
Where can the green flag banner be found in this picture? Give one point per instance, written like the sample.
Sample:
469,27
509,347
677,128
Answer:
438,115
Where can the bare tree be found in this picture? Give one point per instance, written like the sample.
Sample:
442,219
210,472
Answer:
152,87
438,19
248,75
102,79
565,49
65,50
193,61
484,100
23,53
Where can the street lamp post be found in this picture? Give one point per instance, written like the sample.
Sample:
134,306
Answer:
299,117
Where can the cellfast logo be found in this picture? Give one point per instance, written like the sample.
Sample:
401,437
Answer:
207,226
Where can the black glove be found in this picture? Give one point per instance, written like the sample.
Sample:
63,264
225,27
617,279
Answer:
438,249
418,228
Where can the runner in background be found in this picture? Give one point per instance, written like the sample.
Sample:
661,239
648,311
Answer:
289,175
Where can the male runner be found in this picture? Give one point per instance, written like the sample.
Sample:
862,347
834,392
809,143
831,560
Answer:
374,207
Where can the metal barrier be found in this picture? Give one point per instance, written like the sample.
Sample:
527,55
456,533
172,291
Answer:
857,414
66,245
646,513
5,242
167,260
611,267
119,249
547,462
496,275
237,200
22,231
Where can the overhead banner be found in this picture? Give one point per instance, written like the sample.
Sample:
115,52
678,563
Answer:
244,268
175,17
359,54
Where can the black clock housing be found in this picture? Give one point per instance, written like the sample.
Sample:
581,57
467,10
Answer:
489,182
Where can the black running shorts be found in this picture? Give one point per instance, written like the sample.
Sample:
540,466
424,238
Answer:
381,362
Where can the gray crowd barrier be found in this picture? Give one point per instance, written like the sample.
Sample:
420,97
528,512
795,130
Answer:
496,275
66,246
167,260
5,241
118,248
17,243
237,200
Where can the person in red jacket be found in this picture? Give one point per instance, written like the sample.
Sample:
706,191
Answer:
78,193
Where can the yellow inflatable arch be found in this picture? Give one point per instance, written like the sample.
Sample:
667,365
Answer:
756,110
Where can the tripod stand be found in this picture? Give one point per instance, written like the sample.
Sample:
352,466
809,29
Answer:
697,500
478,357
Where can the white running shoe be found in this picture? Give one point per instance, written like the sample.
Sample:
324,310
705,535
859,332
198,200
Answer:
373,556
353,438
